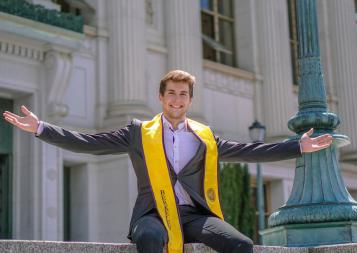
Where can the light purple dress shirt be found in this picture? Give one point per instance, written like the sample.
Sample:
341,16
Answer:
180,146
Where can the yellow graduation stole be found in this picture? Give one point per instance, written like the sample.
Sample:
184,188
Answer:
160,180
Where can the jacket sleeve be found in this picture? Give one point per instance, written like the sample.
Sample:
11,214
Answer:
231,151
114,142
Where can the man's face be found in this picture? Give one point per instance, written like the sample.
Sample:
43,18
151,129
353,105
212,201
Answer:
176,100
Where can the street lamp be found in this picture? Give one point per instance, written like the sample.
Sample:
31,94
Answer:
319,210
257,134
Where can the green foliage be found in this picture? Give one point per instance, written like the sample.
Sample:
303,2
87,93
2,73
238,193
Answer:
235,195
39,13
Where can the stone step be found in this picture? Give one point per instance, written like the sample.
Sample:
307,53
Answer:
22,246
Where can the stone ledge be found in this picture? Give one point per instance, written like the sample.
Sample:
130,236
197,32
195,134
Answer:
21,246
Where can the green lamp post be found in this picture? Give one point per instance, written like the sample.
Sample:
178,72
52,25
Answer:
320,210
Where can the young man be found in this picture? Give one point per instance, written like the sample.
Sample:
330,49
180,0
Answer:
176,164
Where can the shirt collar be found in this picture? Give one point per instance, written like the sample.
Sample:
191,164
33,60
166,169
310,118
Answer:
181,126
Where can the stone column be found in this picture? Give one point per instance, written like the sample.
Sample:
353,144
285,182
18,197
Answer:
274,47
102,63
52,197
127,51
184,44
344,61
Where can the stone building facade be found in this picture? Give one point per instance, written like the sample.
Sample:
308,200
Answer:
241,52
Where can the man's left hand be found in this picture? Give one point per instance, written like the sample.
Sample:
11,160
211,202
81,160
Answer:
308,144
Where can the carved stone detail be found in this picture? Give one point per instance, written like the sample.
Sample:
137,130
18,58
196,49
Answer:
11,48
58,65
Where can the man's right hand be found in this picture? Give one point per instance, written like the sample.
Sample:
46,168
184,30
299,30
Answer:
28,123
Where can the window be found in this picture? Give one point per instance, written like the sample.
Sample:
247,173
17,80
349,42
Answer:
293,40
76,209
217,23
78,8
66,7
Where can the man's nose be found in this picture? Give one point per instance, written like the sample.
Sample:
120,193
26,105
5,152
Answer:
176,99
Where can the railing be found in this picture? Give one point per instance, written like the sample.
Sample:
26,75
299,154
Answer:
39,13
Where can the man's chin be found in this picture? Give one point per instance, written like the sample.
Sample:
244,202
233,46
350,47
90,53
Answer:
177,116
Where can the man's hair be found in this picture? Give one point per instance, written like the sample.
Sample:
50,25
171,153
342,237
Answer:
178,76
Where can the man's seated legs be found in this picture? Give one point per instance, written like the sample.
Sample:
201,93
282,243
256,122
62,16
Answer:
149,234
217,234
199,226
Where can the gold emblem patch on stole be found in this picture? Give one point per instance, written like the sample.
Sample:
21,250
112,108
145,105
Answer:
211,194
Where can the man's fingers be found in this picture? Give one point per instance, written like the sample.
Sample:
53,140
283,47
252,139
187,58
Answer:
310,132
25,110
322,142
324,146
321,145
323,138
9,116
11,120
7,113
328,136
15,122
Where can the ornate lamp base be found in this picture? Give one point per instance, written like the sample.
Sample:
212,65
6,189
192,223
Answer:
311,234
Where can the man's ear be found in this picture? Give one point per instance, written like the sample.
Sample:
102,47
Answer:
160,97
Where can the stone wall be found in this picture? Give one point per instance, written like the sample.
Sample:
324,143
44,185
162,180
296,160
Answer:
17,246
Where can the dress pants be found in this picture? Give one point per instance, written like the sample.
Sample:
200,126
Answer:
150,235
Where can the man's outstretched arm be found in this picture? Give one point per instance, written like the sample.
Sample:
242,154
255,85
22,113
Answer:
231,151
101,143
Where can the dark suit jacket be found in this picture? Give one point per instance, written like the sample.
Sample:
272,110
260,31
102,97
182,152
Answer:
128,140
